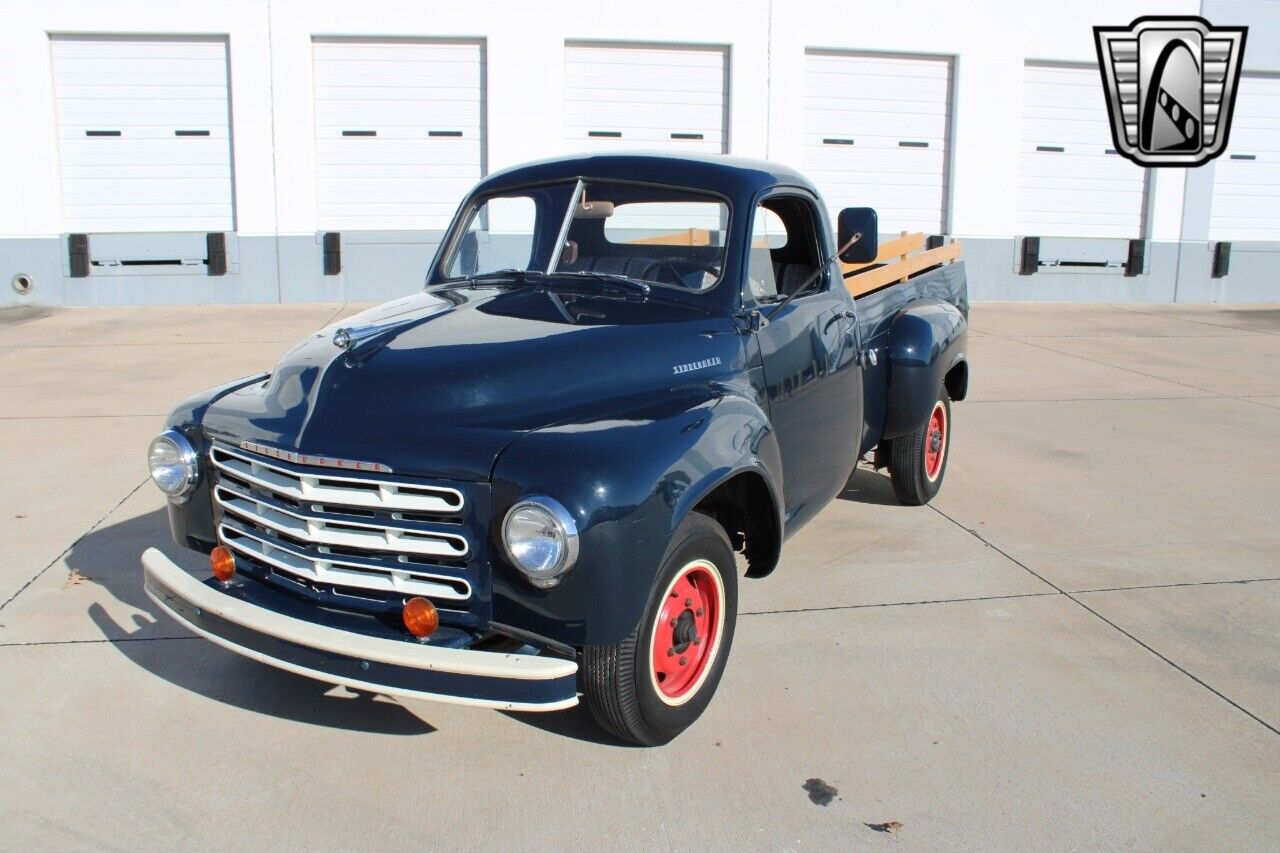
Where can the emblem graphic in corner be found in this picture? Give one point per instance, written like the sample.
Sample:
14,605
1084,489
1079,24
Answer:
1171,86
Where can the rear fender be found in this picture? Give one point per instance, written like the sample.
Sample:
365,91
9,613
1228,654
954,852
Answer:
927,339
628,481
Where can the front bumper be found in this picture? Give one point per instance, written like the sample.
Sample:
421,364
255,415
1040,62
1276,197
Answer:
511,682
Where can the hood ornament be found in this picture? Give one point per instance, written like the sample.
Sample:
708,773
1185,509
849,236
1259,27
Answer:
348,338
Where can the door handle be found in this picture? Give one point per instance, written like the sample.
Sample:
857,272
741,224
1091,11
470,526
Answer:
846,314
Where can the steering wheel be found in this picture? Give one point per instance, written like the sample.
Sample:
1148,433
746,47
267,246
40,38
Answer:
668,264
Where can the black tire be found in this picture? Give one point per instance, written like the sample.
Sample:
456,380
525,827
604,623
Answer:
915,479
620,681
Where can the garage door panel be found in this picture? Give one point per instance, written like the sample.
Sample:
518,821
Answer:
172,216
1246,192
835,90
1069,185
583,102
131,66
400,177
885,161
1097,199
343,97
867,106
398,171
644,95
861,124
143,133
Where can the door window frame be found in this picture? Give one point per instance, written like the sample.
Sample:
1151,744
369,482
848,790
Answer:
819,245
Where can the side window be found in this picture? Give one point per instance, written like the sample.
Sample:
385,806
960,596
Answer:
768,235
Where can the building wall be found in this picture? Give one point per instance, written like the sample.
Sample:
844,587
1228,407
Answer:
276,252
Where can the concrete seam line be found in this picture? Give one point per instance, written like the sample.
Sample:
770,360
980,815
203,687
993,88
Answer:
1197,322
1170,585
895,604
170,344
1109,364
147,415
69,548
1215,691
1218,394
341,308
1100,399
104,640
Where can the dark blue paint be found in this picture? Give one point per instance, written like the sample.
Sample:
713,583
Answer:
493,386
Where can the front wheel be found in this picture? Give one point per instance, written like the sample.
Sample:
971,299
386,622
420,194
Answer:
655,683
918,460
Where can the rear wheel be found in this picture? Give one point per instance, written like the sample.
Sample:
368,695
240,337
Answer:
918,460
657,682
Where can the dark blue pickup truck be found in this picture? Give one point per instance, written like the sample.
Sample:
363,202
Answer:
626,376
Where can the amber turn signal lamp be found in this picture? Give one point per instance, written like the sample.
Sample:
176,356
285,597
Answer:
222,563
420,617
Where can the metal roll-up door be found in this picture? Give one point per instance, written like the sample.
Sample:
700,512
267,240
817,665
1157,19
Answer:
876,135
399,131
627,97
144,140
1071,182
1246,179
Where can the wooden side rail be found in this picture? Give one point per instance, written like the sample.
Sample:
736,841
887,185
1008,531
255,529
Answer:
894,263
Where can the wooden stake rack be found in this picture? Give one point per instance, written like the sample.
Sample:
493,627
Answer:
895,263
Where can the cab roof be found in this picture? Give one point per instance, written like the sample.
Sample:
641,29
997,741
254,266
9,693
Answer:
729,176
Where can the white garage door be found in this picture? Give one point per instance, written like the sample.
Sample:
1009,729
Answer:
143,134
1246,179
398,132
1071,181
620,97
875,135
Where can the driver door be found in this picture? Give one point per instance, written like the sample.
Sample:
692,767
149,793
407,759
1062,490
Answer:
807,351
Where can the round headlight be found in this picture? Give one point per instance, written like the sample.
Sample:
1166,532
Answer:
173,463
541,538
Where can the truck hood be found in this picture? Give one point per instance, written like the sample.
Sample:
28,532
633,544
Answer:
439,383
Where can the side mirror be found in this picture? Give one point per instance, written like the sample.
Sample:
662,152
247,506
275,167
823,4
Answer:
856,235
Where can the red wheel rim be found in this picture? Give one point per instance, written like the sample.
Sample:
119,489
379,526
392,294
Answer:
687,631
935,442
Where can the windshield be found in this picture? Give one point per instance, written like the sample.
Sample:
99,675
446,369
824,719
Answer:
657,235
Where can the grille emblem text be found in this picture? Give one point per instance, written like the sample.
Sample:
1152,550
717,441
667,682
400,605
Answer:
314,459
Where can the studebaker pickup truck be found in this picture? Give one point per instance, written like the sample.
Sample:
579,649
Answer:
535,479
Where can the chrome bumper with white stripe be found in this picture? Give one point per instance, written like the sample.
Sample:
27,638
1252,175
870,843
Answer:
515,682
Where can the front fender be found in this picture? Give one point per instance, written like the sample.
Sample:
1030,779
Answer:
191,522
926,339
628,481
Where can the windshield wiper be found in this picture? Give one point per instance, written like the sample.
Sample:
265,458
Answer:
504,276
631,284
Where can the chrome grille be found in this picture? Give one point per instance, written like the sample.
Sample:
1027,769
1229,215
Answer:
354,534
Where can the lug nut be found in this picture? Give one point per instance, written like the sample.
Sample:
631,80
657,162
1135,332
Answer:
699,613
683,660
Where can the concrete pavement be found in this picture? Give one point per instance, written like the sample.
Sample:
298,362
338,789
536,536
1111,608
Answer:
1076,646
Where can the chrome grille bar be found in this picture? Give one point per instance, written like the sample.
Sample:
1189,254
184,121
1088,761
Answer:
362,536
342,573
344,534
334,488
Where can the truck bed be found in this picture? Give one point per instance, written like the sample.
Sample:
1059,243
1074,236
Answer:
875,313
